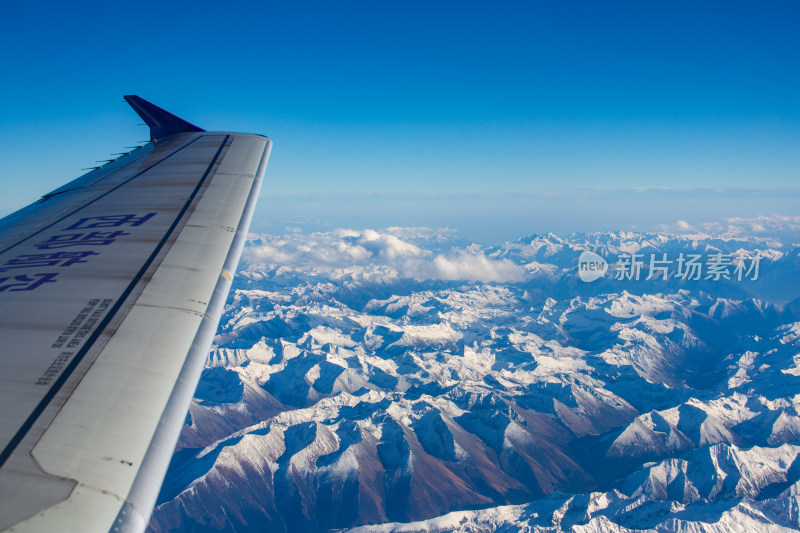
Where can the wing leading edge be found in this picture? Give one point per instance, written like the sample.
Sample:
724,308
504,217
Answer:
111,288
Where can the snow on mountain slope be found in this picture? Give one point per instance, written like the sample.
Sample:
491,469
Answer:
717,489
404,378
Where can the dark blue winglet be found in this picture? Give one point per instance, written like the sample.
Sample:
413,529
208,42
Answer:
162,123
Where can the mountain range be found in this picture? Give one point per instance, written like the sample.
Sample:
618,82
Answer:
408,380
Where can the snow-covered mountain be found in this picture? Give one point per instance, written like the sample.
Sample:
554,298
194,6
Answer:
409,379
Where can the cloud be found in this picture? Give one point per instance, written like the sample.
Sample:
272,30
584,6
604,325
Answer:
764,224
477,267
338,248
737,227
679,226
344,248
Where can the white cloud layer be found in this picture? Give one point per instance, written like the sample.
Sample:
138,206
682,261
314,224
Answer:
761,224
343,248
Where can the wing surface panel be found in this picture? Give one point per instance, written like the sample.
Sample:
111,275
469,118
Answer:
109,303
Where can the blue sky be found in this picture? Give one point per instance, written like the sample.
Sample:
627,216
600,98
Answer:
498,119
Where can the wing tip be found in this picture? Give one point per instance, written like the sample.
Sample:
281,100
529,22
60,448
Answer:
162,123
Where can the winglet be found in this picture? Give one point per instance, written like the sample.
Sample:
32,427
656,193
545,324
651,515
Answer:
162,123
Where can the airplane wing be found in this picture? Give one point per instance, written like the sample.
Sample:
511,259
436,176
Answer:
111,288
